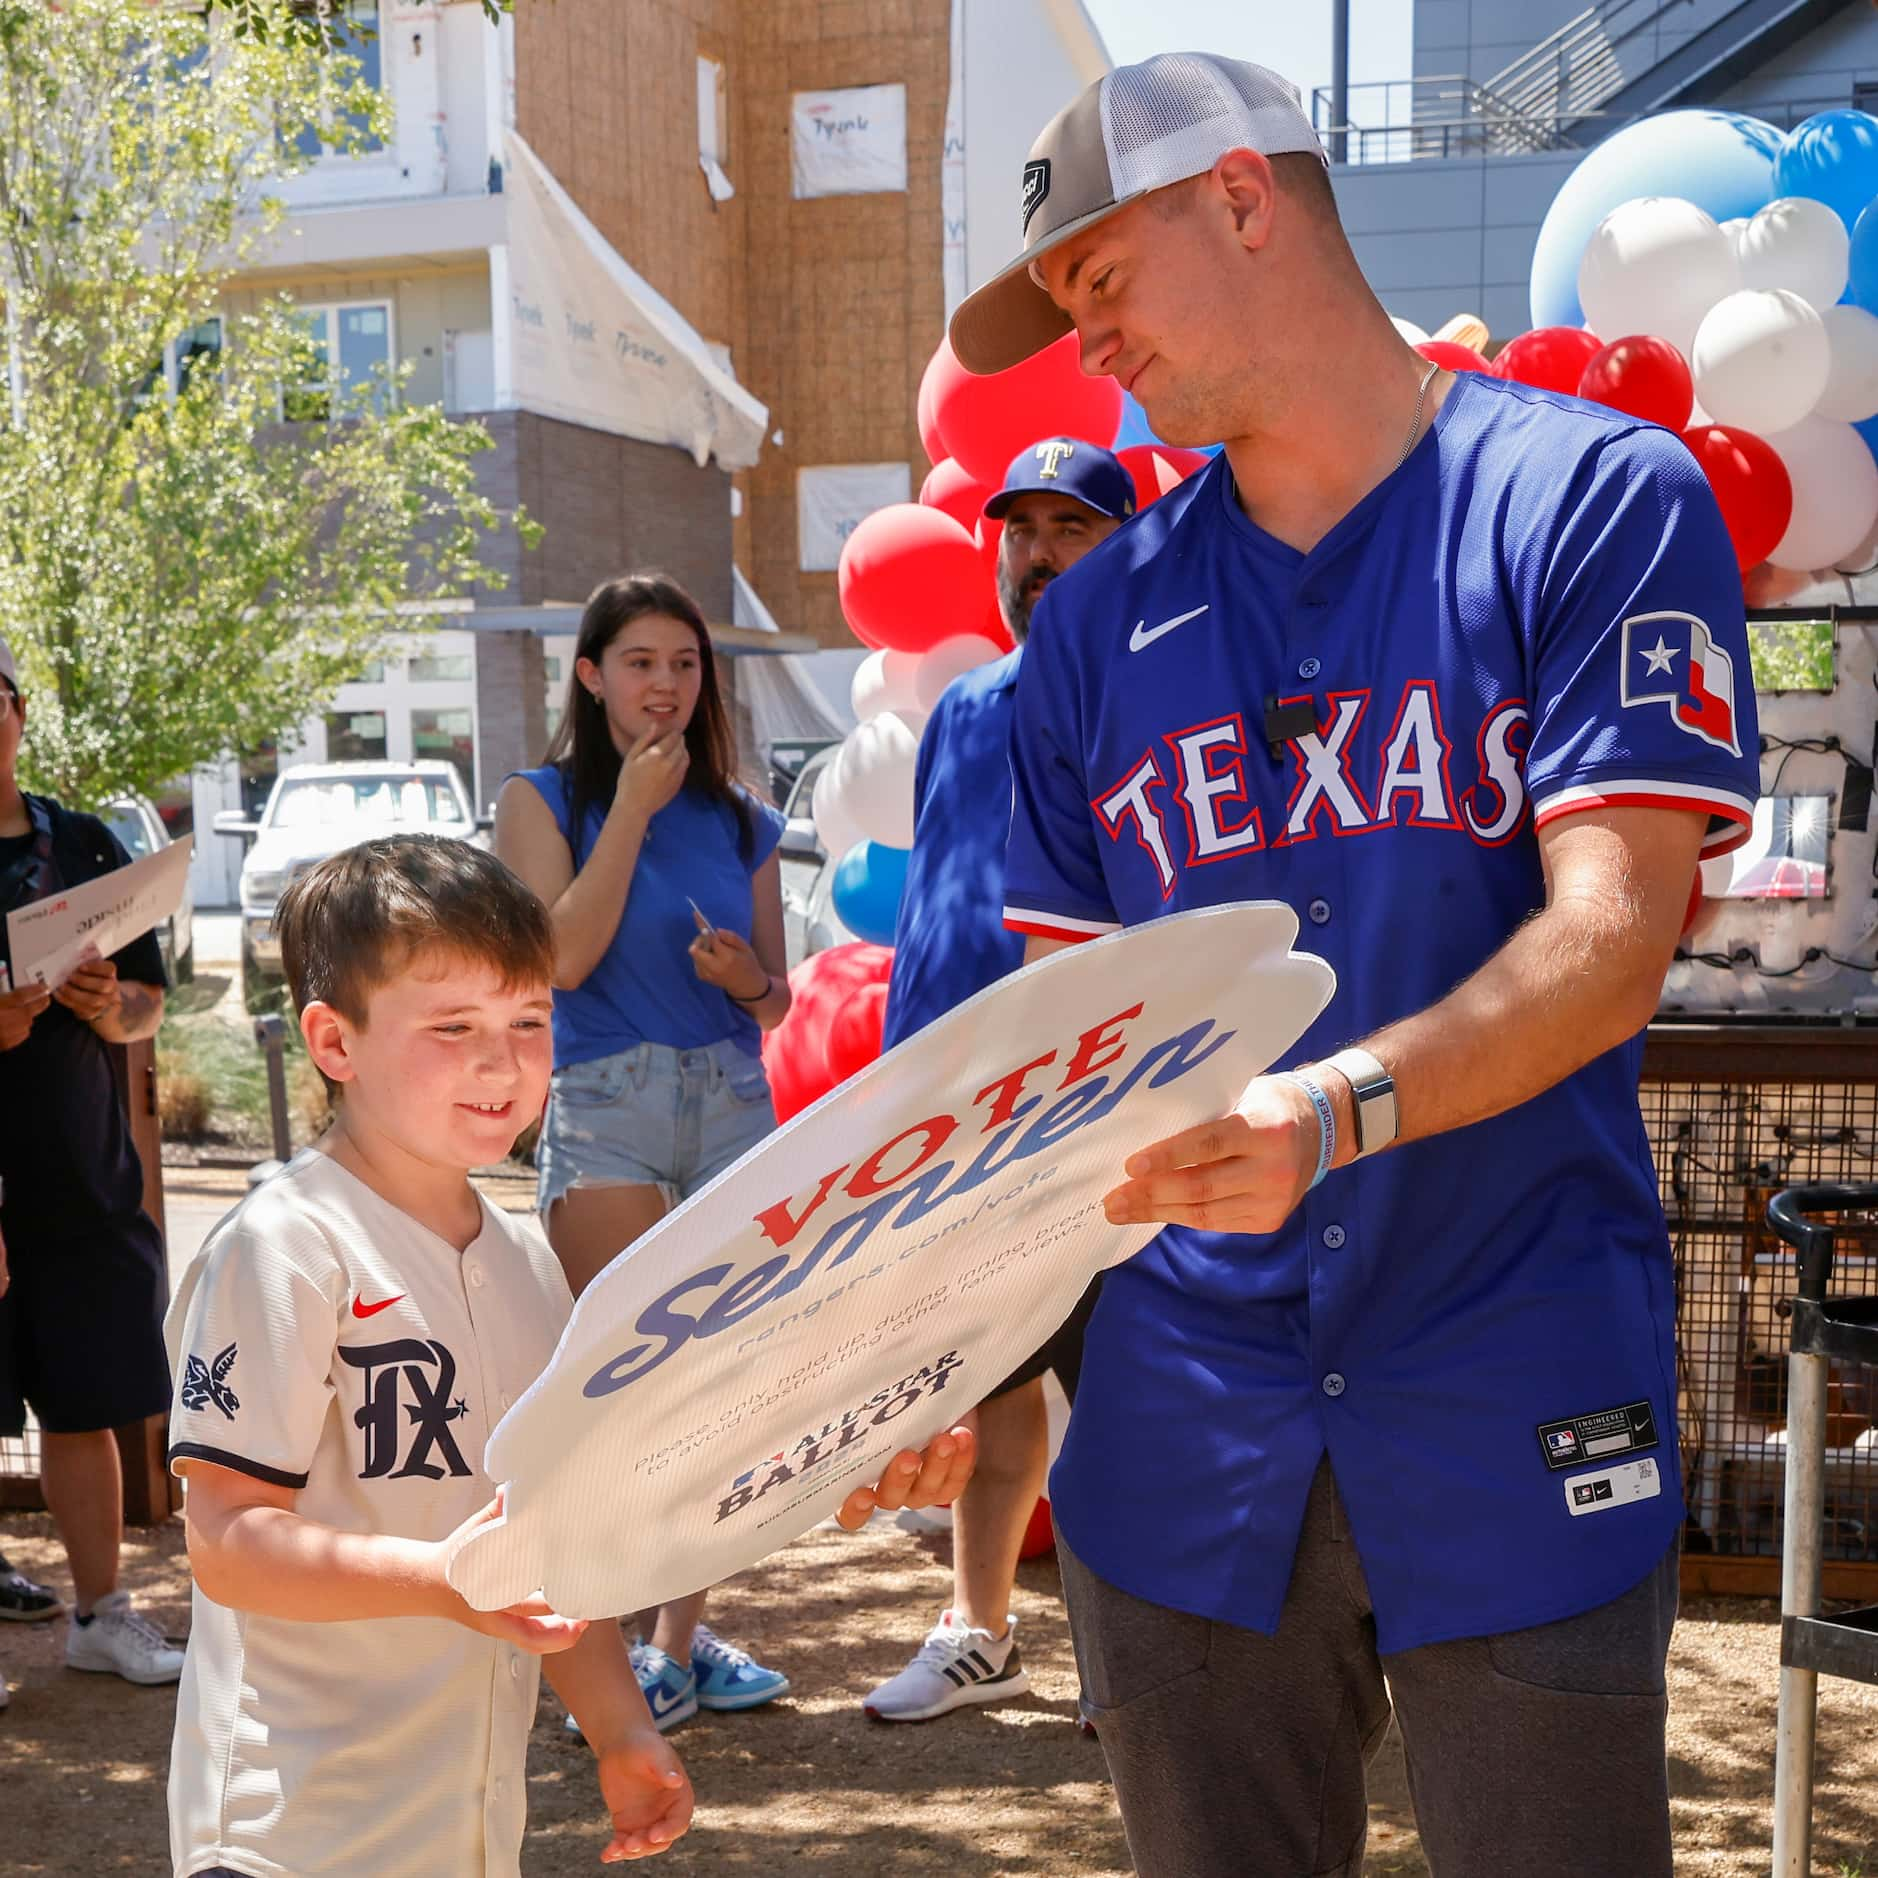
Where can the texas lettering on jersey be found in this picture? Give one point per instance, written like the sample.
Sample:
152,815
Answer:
1206,792
410,1388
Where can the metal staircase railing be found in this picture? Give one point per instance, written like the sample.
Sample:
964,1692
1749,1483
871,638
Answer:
1572,72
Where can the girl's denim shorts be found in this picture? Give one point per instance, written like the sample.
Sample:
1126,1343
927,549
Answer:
652,1116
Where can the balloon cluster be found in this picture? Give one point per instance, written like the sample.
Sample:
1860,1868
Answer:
1725,286
918,585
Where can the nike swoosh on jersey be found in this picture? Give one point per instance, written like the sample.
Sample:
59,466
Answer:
1144,635
361,1309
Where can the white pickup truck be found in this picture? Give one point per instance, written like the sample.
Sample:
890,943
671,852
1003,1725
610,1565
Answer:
319,809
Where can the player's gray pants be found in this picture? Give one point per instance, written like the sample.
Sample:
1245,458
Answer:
1237,1755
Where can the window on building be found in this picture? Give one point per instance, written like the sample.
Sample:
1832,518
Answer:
372,672
347,345
714,127
196,349
431,668
447,736
353,30
355,737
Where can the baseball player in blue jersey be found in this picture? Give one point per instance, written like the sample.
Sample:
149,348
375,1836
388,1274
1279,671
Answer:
1457,669
1061,497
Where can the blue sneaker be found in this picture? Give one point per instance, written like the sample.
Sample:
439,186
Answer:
727,1677
671,1690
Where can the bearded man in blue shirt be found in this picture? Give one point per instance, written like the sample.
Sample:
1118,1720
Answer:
1061,497
1456,668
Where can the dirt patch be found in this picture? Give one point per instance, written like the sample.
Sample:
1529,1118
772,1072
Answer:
809,1785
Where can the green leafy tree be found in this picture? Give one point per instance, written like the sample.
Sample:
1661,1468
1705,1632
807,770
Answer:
184,572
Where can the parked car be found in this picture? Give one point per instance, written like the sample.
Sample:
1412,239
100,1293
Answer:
135,822
320,809
810,922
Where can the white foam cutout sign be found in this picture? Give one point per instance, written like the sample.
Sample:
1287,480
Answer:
857,1282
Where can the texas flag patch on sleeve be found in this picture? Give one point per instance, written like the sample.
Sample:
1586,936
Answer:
1670,659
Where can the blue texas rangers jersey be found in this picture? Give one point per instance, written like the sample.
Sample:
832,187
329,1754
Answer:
951,940
1537,614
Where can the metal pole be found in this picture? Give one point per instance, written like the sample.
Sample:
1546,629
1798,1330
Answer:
1799,1597
271,1034
1339,80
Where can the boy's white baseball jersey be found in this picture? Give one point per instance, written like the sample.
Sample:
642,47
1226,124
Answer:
325,1341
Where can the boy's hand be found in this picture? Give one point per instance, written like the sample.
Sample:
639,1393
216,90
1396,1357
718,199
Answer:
649,1795
531,1625
934,1475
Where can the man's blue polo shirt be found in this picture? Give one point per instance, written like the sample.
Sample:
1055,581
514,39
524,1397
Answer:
1537,615
951,941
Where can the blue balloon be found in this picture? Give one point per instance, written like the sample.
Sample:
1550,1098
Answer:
869,880
1721,161
1833,158
1863,287
1867,429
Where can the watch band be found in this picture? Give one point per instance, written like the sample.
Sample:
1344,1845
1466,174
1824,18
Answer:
1374,1091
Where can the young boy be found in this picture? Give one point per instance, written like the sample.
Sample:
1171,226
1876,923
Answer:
343,1345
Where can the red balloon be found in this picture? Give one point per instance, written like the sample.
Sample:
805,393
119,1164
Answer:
796,1052
984,422
1551,357
1452,357
909,577
1750,483
928,426
1642,377
954,491
1159,467
854,1032
1040,1534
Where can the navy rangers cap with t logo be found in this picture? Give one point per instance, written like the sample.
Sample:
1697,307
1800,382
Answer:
1067,466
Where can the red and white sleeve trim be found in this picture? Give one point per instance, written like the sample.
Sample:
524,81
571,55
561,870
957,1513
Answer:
1732,814
1043,925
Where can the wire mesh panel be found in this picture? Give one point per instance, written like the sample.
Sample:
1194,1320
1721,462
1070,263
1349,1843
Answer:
1734,1116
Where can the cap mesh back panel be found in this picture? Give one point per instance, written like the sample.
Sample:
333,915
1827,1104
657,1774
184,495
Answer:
1174,116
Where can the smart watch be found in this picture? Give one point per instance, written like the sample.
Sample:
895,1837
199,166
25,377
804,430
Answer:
1374,1091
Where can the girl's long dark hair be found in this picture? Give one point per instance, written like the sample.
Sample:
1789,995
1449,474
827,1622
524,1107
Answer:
582,749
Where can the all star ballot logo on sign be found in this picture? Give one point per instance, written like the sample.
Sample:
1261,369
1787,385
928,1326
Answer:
858,1281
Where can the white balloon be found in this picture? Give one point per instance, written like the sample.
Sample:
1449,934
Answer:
836,828
874,776
1851,393
1409,330
1760,360
1835,493
883,681
1732,229
1655,265
950,659
1797,244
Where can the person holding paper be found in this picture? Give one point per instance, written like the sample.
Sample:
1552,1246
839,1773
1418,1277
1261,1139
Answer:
81,1321
660,871
1061,497
1383,1420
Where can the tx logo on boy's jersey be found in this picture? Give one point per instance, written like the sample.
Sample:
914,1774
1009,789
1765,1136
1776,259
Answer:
428,1371
1341,783
1670,658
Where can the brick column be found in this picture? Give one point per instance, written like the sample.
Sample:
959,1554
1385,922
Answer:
511,708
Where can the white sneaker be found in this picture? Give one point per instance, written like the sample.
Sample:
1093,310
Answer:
117,1642
955,1665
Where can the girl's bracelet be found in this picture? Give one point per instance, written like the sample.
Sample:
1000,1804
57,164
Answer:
769,985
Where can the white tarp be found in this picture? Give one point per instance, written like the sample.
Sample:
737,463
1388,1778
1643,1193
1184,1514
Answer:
952,168
850,142
581,336
869,1272
834,499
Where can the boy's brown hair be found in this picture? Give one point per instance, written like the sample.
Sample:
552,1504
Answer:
358,918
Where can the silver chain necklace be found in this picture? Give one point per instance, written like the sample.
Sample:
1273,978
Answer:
1415,423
